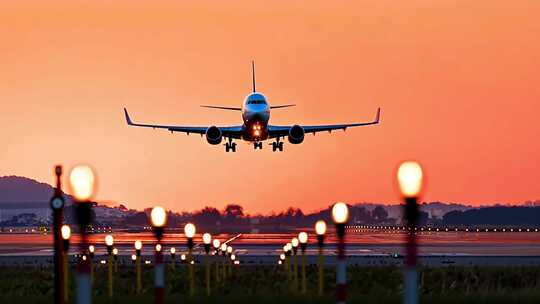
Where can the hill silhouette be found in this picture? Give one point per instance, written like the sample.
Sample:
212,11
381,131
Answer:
18,189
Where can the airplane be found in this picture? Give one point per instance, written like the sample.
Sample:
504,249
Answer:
255,127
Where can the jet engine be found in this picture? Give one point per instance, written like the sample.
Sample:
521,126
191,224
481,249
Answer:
213,135
296,134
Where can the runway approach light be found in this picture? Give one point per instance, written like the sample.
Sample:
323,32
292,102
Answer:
173,250
91,249
133,257
224,247
216,243
303,237
320,227
229,249
138,245
189,230
410,179
340,213
66,232
282,256
294,242
82,180
158,247
109,240
207,238
115,251
158,216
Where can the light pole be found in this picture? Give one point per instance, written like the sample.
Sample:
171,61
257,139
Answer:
216,243
66,234
410,178
207,239
223,254
115,256
158,217
303,238
173,260
57,205
109,242
287,249
91,250
228,261
82,181
295,243
320,230
340,215
189,231
138,248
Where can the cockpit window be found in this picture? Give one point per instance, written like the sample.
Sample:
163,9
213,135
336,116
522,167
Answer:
257,101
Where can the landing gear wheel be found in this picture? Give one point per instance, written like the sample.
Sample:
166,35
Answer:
230,147
277,146
257,145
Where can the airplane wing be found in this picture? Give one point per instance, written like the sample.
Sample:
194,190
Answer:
232,131
280,131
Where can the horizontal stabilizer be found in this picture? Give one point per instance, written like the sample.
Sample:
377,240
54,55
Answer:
223,108
282,106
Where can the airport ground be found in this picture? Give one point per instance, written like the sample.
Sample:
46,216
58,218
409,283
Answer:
268,284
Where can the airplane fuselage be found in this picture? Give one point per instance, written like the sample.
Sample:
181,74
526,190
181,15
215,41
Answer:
255,117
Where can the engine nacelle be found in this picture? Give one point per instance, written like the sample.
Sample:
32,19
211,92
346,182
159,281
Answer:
296,134
213,135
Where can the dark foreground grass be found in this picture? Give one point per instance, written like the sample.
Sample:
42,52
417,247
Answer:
268,284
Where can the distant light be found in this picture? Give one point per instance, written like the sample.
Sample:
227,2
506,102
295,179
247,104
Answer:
133,257
410,178
279,262
340,213
223,247
158,216
282,256
66,232
183,257
216,243
237,262
84,257
192,262
207,238
229,249
173,250
288,247
189,230
320,227
147,262
109,240
303,237
138,245
285,248
82,180
91,248
233,257
158,247
102,261
115,251
294,242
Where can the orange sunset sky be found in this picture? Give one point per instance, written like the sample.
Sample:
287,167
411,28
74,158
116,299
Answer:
457,81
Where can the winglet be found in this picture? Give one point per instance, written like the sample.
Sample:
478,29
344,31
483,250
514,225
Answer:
378,116
128,120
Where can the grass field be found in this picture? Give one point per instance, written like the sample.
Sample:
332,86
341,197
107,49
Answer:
267,284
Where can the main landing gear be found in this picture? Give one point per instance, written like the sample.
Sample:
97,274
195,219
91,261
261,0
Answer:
257,145
278,145
230,146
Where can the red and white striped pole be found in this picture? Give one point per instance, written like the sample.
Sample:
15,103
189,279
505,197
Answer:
158,217
410,178
340,215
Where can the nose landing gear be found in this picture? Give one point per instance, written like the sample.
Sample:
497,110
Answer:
257,145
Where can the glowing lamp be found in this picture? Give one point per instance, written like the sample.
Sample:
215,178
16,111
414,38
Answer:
288,247
183,257
320,227
115,251
340,213
82,180
138,245
224,247
207,238
158,216
109,240
233,257
294,242
158,247
282,256
302,237
189,230
91,248
133,257
229,249
410,178
173,250
216,243
66,232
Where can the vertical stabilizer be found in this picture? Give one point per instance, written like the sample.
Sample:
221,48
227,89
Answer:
253,74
